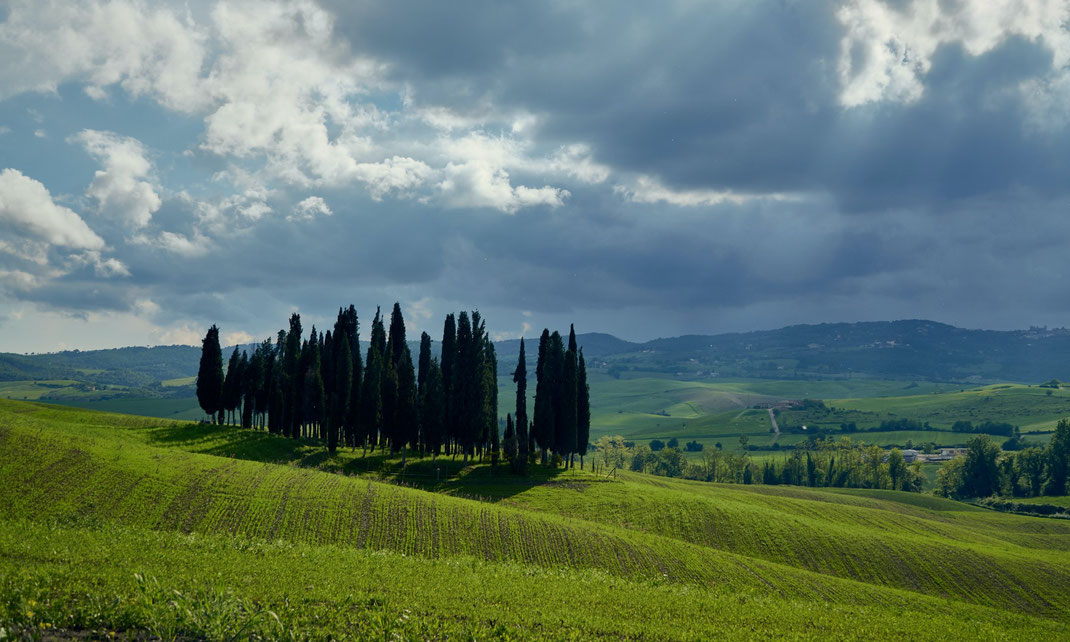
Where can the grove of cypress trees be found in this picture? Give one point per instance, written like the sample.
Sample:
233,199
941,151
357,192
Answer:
210,375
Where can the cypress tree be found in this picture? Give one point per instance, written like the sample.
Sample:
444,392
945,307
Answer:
371,404
343,387
543,424
583,410
448,359
523,445
555,365
569,397
433,408
210,375
421,379
408,418
490,397
466,384
315,396
231,381
291,379
349,325
397,335
509,445
389,430
252,382
327,370
243,376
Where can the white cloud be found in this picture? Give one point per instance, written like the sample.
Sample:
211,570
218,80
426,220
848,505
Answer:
650,190
119,188
27,206
188,247
309,209
236,337
276,88
398,175
182,334
4,130
147,50
886,52
103,267
40,133
479,183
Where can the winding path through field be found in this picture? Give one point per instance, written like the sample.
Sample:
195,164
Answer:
776,428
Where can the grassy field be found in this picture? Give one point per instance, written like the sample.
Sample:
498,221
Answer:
241,523
709,412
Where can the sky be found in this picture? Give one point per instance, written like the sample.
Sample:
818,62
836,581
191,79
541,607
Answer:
643,169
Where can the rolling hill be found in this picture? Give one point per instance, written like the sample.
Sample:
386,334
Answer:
118,512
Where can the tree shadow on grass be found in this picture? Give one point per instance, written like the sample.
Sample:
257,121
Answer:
444,474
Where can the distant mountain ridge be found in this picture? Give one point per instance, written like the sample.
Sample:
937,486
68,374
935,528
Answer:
897,349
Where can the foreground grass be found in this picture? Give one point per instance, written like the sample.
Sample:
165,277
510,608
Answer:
104,577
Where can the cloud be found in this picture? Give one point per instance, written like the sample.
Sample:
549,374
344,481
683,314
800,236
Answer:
27,208
649,190
309,209
147,51
887,51
119,188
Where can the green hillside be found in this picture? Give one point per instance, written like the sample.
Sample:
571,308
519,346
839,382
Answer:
94,499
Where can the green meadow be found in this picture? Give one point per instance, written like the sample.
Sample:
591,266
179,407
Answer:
176,530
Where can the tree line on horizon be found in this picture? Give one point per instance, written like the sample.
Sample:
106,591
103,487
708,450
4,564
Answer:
321,388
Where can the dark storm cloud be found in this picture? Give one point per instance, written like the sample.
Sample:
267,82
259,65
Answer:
735,95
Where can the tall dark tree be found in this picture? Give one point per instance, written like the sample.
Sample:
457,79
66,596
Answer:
509,442
315,396
343,388
408,418
583,410
371,395
561,391
291,380
252,384
232,385
433,409
448,359
542,426
349,325
423,363
467,384
523,445
490,398
210,376
396,338
569,430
